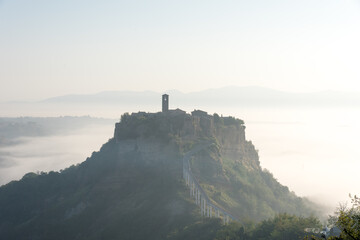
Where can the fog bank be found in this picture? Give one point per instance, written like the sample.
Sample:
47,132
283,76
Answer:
51,153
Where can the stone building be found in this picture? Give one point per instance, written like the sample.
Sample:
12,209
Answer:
165,103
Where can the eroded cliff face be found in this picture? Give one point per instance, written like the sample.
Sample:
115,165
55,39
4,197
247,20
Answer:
150,149
228,168
233,145
158,134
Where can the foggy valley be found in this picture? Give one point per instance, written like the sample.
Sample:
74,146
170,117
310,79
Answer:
48,144
174,120
318,138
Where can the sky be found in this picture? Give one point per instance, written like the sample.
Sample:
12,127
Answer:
52,48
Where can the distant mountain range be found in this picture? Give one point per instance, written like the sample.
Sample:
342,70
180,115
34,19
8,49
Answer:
227,96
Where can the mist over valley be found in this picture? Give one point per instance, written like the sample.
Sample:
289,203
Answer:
306,147
46,144
174,120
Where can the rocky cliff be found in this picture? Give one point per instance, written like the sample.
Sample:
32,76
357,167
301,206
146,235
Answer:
229,170
180,131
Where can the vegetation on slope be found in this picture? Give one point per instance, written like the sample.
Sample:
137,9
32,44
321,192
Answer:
281,227
246,190
105,197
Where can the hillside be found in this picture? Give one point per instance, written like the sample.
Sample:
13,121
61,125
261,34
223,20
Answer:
107,196
133,188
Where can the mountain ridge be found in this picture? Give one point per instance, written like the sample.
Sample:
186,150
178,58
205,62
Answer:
250,95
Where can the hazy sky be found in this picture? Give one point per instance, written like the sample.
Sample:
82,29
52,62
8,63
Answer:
50,48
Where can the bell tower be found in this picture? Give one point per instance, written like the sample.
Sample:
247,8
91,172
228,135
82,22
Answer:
165,103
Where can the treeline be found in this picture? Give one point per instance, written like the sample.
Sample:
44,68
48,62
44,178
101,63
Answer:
281,227
345,225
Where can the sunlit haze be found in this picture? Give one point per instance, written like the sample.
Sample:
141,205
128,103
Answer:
56,48
50,48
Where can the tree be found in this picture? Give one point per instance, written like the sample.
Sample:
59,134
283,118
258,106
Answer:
281,227
284,227
347,219
233,231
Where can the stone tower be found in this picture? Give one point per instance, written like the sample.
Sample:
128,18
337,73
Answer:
165,103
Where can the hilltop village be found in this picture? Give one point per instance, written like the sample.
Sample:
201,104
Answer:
169,125
176,122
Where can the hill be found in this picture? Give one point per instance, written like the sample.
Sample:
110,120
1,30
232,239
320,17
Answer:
133,188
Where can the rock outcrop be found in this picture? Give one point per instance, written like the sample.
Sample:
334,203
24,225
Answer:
177,129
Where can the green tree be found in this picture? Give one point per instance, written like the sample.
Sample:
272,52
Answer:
233,231
284,226
347,219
